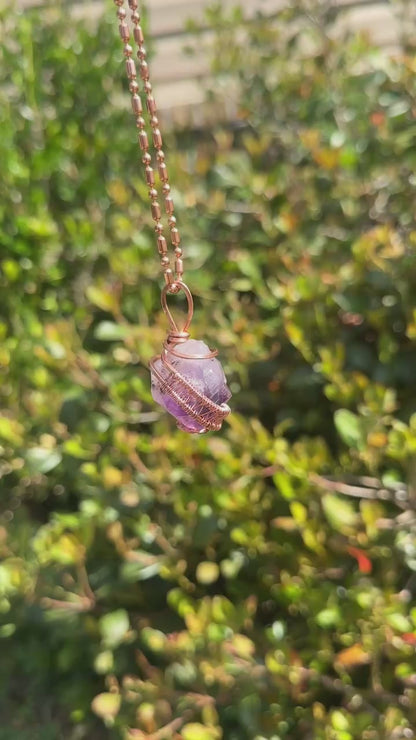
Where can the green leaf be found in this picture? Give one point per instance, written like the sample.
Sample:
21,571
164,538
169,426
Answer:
42,460
139,572
299,512
339,512
108,331
196,731
154,639
102,298
7,630
329,617
339,720
349,427
104,662
399,622
371,512
66,550
207,572
106,705
11,431
284,484
403,671
114,627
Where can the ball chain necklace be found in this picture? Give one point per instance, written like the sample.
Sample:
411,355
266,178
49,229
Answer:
187,379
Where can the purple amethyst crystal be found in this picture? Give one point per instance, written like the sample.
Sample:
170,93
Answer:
191,409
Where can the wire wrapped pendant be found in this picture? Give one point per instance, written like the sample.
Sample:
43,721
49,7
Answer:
187,379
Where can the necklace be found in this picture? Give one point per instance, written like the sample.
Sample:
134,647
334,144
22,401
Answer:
187,379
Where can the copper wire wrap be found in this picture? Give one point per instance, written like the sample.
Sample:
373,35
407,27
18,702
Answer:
172,276
195,404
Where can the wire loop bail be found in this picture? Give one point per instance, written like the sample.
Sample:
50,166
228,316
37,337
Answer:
177,335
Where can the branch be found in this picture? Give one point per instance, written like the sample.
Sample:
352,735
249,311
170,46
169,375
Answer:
351,692
81,605
404,520
372,489
165,732
168,730
85,584
138,463
369,488
349,490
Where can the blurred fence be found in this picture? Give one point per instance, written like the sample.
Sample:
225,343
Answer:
182,79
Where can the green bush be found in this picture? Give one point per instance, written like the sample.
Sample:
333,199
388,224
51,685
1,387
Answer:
257,583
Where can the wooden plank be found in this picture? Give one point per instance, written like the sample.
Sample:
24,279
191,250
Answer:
170,62
166,17
379,21
169,17
184,104
180,78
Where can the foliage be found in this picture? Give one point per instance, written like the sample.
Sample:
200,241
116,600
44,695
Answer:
222,586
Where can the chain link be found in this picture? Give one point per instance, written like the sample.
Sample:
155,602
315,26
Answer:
171,277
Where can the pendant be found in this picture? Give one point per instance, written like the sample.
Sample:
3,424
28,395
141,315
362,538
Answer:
187,379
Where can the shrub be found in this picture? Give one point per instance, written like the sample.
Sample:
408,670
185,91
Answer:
258,583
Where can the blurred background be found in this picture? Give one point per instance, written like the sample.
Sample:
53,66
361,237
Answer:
258,583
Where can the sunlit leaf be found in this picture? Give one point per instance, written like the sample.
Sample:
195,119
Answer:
114,627
106,705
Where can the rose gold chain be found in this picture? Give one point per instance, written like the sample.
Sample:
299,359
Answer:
171,278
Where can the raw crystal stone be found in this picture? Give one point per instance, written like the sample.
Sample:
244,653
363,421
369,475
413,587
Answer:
205,375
